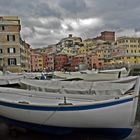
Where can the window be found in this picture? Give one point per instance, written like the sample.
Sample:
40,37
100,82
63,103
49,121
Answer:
10,37
11,50
0,50
1,28
12,61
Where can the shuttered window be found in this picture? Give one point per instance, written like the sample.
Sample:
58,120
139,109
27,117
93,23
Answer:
11,50
10,37
2,28
12,61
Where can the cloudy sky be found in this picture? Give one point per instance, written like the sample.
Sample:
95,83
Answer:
45,22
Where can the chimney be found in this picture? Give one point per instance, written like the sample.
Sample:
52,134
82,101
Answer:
70,35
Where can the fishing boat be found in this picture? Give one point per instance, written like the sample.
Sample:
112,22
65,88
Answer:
102,107
98,75
10,80
56,85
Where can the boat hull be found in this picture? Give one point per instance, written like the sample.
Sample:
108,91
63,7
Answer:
50,111
106,115
10,80
91,76
111,132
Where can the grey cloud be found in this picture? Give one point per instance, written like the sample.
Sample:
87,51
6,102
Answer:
53,23
137,29
73,7
70,28
44,10
17,7
41,20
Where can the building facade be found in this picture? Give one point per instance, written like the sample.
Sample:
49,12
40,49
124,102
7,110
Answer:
60,60
12,56
107,36
36,61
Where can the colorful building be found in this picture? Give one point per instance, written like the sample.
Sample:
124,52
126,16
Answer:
25,56
70,41
45,61
60,60
81,50
106,36
51,61
93,61
129,51
36,61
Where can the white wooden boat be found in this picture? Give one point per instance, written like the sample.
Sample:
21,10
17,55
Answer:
101,75
38,75
6,80
104,109
83,87
123,70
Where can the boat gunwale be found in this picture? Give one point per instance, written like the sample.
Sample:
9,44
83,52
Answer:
94,104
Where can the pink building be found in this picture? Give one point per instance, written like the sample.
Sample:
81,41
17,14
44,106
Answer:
45,62
93,61
36,61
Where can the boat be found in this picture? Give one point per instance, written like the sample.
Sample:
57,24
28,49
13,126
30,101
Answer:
10,80
56,85
98,75
33,75
102,108
38,75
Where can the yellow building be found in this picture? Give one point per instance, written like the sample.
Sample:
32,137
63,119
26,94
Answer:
132,44
89,44
40,62
104,54
69,51
81,50
131,51
126,52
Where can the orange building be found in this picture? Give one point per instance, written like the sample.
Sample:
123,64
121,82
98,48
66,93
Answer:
93,61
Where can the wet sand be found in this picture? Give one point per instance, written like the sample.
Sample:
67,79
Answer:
22,134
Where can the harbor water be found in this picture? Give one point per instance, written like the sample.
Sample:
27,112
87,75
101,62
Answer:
22,134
